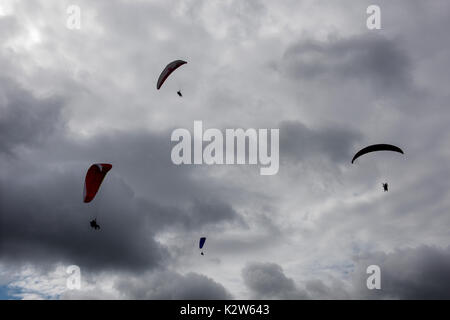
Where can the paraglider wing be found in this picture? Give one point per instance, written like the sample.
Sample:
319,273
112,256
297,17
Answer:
202,242
93,180
376,147
171,67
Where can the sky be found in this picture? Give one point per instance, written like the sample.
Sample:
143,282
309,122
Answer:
312,69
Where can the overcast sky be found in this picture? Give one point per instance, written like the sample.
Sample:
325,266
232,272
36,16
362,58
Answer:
312,69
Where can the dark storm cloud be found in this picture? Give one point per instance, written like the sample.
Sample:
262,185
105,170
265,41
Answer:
171,285
143,159
42,217
414,273
268,281
157,285
317,289
44,222
365,57
299,142
24,118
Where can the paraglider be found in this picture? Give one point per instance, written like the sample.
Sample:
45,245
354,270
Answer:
376,147
171,67
202,243
93,180
94,224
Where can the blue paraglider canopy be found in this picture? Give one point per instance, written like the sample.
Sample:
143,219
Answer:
202,242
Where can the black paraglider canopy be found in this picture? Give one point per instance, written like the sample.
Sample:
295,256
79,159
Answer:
377,147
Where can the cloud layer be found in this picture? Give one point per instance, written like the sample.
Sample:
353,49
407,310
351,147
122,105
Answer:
70,98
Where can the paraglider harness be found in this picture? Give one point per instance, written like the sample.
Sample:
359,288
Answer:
94,224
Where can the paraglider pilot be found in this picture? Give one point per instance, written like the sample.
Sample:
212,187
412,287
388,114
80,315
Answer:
94,224
385,187
179,93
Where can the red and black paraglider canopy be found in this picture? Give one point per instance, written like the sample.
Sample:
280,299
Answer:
93,180
171,67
